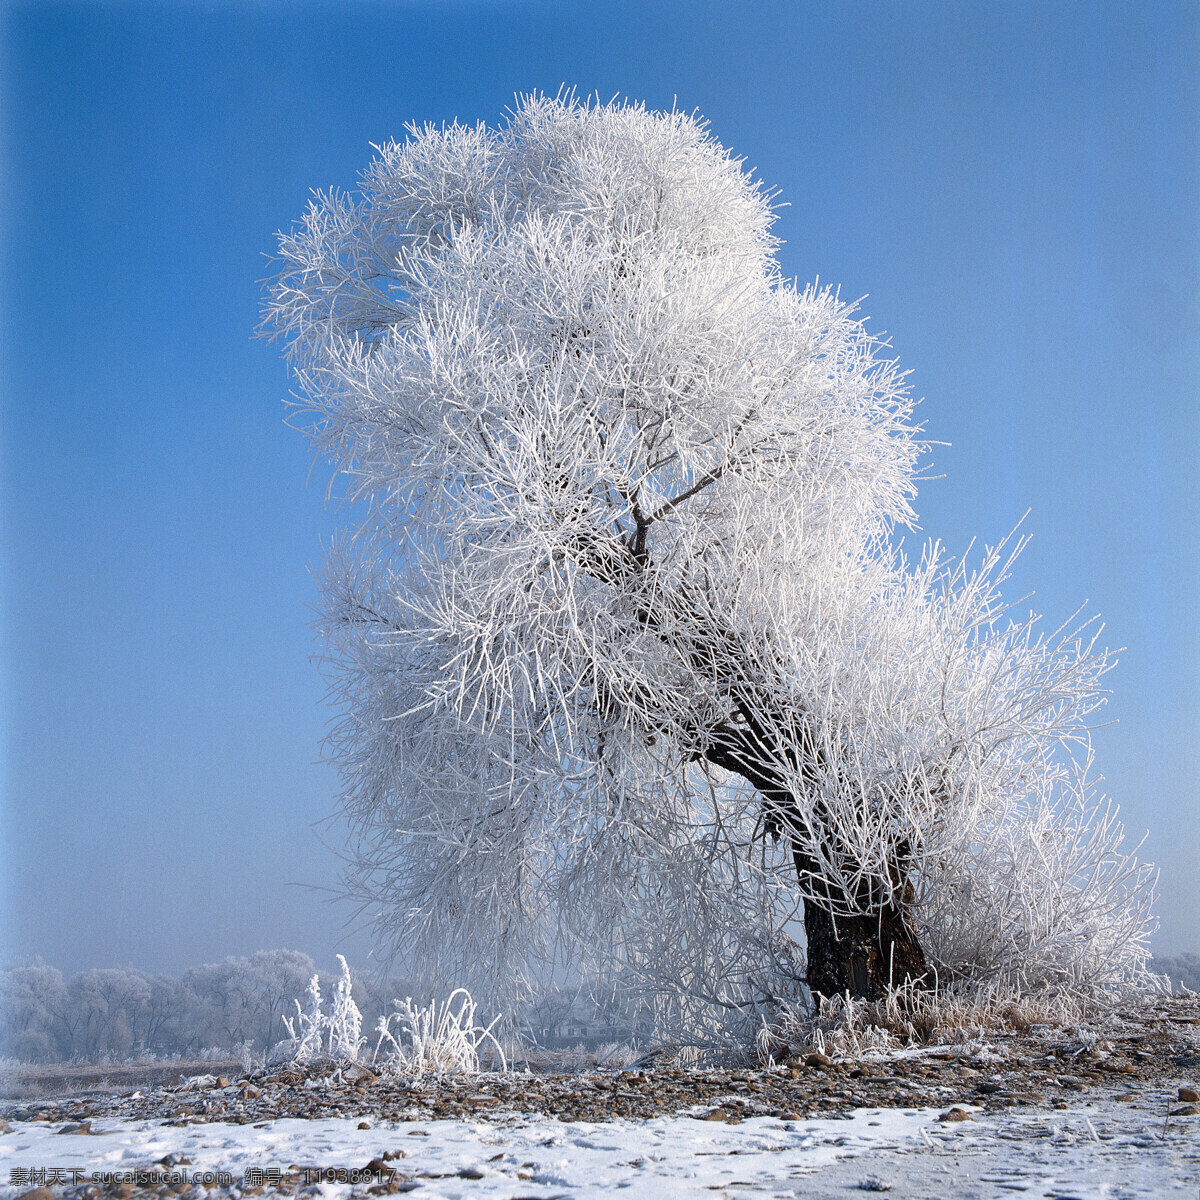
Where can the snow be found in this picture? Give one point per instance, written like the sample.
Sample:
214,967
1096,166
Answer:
1099,1150
653,1158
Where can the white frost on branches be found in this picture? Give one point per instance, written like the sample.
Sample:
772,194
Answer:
437,1039
619,490
318,1034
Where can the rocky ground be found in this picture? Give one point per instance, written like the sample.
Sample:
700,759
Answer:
1147,1061
33,1083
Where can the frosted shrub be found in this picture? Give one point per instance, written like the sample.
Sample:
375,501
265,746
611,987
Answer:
840,1027
345,1021
307,1033
437,1040
244,1053
335,1035
617,1055
634,681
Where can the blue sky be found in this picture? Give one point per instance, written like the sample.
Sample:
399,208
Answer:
1013,186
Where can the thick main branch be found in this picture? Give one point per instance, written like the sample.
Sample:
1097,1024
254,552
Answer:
872,944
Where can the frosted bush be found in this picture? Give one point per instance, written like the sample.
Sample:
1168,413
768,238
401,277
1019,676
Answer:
244,1053
438,1039
617,1055
335,1035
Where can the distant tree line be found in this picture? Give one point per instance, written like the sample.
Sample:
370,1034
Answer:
1183,970
235,1005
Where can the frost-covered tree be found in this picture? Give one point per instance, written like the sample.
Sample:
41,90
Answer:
241,999
161,1023
33,1005
632,673
1183,970
106,1003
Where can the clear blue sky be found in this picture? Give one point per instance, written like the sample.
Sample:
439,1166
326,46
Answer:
1013,185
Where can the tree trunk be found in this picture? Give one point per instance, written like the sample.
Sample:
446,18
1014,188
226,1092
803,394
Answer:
862,955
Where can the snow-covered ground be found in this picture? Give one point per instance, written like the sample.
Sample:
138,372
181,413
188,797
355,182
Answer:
1102,1150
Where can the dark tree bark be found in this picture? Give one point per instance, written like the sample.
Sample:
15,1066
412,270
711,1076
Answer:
863,954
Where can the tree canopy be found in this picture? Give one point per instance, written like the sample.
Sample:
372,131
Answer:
633,676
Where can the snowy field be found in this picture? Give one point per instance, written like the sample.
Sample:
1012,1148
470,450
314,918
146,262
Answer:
1101,1150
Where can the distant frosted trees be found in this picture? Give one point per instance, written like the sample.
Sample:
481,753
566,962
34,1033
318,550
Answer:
633,677
106,1004
117,1012
240,1000
33,1004
1182,969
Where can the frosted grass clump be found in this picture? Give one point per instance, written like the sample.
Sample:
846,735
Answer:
439,1039
959,1015
635,684
839,1027
316,1035
616,1056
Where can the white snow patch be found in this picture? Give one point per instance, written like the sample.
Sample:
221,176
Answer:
663,1156
1101,1150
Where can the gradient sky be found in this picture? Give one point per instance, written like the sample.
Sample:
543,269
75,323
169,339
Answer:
1014,187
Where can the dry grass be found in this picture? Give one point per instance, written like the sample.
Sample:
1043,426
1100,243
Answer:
911,1016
